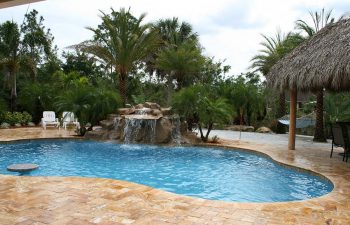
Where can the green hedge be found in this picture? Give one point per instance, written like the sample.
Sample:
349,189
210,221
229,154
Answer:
15,117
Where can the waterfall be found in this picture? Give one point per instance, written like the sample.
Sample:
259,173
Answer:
116,122
152,125
135,129
144,123
176,133
143,111
131,129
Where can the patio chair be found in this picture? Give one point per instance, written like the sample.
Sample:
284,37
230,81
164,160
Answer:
337,137
49,119
347,141
69,119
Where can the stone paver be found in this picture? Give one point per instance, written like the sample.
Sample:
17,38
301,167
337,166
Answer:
74,200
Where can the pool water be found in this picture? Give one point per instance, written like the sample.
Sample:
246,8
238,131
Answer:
210,173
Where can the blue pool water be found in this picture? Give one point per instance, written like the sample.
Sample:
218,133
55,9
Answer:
209,173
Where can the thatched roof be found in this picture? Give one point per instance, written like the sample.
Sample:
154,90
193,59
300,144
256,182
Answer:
323,61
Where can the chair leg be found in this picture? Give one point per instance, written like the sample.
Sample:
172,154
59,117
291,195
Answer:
331,150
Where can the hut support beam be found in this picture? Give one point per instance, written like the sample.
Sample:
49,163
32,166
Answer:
292,118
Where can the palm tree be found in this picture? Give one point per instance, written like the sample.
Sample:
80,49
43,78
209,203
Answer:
9,56
180,64
274,48
319,20
121,42
175,33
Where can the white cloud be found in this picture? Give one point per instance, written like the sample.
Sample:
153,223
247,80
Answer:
228,29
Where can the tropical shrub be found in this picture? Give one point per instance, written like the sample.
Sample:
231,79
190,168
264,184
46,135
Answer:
36,98
199,106
3,105
89,104
16,118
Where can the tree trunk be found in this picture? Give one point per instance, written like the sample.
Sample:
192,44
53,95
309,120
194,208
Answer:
169,88
13,92
249,115
210,127
281,129
319,129
201,132
122,86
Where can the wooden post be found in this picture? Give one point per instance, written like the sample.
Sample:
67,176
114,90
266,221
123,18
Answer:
292,118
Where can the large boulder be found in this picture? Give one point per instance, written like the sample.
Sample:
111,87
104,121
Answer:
107,124
156,112
166,111
112,116
139,106
97,134
242,128
114,135
126,111
151,105
163,131
191,138
143,111
264,130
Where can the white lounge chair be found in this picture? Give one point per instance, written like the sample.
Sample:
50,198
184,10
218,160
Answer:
49,119
68,118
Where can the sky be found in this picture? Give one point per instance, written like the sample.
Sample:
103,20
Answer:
228,29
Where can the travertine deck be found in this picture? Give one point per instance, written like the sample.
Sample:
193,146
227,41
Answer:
59,200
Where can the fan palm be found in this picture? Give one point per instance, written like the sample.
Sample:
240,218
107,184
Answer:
121,41
180,63
274,48
173,34
319,20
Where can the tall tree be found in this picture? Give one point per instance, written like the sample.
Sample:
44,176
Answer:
36,43
274,48
10,57
83,64
121,41
173,33
180,64
319,20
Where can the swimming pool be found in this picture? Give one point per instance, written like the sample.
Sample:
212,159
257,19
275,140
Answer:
210,173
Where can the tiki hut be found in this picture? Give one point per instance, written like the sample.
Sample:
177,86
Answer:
322,62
